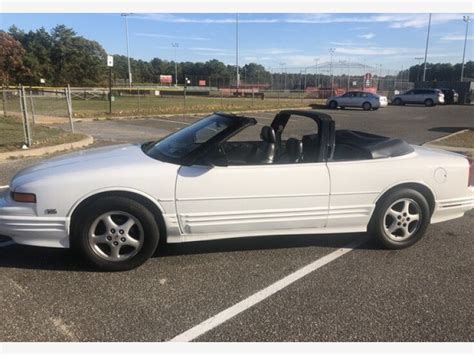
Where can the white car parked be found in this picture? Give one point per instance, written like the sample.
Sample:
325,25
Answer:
115,204
365,100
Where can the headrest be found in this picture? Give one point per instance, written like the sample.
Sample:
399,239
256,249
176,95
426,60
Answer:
268,134
311,139
294,149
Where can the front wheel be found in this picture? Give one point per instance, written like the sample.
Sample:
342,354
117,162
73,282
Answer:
366,106
332,105
397,101
400,219
115,233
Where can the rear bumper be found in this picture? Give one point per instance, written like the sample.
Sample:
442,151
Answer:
453,208
20,222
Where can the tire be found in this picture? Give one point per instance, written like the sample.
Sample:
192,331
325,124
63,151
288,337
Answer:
398,101
115,233
394,225
367,106
332,105
429,102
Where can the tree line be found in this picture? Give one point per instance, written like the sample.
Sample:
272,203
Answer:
61,57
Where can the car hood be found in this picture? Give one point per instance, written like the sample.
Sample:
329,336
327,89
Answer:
91,159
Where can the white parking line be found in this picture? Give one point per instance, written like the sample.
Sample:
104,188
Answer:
238,308
172,121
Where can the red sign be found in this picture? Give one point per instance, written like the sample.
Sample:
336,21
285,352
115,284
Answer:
166,79
202,82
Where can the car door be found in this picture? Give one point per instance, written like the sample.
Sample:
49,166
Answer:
409,96
359,99
345,100
258,199
254,199
418,96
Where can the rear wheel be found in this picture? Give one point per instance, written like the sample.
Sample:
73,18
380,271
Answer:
367,106
398,101
429,102
332,105
400,219
115,233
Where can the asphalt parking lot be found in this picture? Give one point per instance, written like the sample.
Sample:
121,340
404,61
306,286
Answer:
423,293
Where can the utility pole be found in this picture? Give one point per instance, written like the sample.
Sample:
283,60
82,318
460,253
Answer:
426,49
128,51
466,19
175,45
237,84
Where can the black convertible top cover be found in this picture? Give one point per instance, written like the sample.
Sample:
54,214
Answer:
373,146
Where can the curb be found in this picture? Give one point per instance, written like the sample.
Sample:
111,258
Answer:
17,154
432,144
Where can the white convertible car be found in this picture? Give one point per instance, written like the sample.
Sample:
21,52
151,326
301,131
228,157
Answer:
210,180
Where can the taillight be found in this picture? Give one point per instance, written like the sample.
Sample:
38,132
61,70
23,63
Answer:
23,197
470,179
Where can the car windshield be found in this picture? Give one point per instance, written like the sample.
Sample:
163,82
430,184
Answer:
190,138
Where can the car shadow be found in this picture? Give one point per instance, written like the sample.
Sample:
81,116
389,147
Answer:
263,243
324,107
36,258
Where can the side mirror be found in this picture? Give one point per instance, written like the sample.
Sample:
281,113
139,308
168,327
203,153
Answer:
215,157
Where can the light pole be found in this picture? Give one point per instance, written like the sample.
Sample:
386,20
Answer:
466,19
426,49
348,74
316,60
175,45
128,50
282,64
237,52
419,59
331,53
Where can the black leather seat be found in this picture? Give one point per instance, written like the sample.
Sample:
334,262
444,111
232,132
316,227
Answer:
311,143
266,150
294,151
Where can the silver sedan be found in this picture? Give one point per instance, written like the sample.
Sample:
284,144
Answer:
365,100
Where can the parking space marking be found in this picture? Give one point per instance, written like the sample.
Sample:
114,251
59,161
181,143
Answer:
261,295
171,121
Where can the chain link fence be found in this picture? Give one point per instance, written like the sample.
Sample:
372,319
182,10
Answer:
23,108
64,104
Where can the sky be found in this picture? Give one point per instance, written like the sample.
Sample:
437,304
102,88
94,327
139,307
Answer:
280,42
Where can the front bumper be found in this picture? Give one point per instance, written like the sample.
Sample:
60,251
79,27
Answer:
20,222
453,208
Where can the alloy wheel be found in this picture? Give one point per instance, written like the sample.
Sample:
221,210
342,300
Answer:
116,236
402,219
